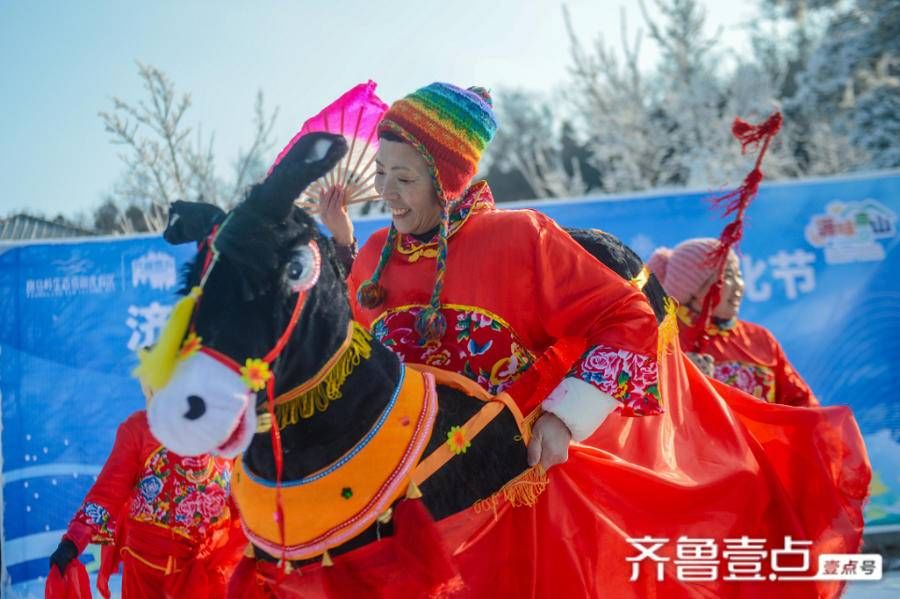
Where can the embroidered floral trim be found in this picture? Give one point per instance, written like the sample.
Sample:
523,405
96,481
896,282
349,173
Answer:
150,487
755,379
97,518
628,377
716,327
477,344
195,469
477,198
188,495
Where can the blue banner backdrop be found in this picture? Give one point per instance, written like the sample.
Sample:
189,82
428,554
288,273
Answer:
821,261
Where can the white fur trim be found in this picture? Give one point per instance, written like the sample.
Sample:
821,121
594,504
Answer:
580,405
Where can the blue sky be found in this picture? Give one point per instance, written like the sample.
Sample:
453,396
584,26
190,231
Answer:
61,63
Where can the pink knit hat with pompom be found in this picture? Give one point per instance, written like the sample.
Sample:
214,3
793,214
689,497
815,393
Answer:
684,270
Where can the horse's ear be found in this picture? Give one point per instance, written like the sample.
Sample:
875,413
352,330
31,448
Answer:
191,221
304,160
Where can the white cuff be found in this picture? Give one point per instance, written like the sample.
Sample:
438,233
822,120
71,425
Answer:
581,406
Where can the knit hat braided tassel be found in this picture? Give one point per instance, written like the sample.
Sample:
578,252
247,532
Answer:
371,293
431,324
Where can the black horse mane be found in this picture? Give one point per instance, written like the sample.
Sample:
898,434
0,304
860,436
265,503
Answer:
610,250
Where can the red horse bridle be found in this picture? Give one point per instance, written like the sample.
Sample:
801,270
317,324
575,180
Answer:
257,372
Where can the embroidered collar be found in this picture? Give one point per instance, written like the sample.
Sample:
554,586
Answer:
716,326
476,199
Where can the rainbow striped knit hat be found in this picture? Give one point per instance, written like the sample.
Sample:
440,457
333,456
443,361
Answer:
450,127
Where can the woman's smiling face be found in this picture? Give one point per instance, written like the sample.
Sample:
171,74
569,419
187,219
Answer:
402,178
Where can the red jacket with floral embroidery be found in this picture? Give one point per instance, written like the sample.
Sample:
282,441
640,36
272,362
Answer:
748,356
144,482
515,283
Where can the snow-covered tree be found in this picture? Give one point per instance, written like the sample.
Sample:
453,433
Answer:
670,127
851,82
166,159
831,66
615,111
534,154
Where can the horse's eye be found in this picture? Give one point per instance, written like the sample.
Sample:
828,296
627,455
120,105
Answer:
302,270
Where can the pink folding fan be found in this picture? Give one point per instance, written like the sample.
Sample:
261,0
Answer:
355,115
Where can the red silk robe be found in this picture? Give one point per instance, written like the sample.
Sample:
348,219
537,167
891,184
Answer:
515,283
169,519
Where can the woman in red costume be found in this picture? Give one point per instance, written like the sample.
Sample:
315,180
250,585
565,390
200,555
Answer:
458,284
168,519
736,352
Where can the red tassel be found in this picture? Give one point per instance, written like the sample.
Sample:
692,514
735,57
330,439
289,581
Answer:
734,202
740,197
278,454
749,134
421,549
731,234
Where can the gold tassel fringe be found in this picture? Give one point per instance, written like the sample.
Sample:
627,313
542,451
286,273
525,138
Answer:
385,518
668,328
484,505
300,403
263,422
640,280
524,490
286,566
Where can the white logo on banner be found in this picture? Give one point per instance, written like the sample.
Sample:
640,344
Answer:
145,323
794,269
851,231
70,286
73,265
72,278
156,269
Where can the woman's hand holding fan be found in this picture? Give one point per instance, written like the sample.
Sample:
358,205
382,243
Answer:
333,212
